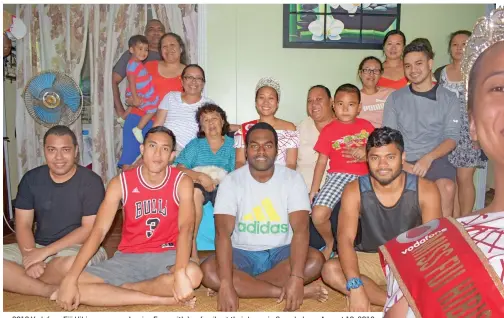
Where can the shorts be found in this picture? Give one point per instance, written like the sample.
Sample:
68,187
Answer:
12,253
440,168
331,192
207,196
258,262
370,266
131,146
133,267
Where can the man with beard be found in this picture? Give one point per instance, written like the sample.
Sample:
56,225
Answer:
261,224
387,202
428,117
153,32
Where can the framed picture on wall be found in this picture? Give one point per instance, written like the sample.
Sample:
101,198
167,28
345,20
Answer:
341,26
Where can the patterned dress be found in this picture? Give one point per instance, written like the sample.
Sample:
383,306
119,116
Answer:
464,155
286,139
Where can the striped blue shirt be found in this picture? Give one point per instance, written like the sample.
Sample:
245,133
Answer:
198,153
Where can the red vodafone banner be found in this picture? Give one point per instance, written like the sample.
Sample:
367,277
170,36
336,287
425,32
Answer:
442,273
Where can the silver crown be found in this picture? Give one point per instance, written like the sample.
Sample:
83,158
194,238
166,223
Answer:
269,82
487,31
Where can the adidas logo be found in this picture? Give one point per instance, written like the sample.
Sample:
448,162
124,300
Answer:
258,222
135,190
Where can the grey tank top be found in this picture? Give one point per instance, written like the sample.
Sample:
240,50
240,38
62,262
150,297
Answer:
379,224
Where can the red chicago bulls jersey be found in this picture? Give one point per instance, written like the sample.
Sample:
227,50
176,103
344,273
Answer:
150,214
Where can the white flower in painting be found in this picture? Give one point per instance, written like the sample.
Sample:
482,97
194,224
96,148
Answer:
349,7
333,29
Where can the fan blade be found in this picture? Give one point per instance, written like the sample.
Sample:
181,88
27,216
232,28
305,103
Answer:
69,93
41,82
50,116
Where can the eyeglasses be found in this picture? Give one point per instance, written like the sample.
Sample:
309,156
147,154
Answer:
192,79
371,71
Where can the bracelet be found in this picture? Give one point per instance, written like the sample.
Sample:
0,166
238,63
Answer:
297,276
354,283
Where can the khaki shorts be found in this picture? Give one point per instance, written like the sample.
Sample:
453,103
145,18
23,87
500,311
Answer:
370,266
12,253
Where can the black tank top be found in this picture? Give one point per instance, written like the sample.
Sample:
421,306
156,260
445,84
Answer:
379,224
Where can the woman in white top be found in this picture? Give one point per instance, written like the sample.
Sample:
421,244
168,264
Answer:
267,98
177,110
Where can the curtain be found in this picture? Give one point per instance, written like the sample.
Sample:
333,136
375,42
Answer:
58,38
55,40
110,28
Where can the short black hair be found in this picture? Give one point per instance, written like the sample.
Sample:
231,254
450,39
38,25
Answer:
210,108
60,130
162,129
327,90
393,32
419,45
135,39
349,88
370,58
261,125
385,136
195,66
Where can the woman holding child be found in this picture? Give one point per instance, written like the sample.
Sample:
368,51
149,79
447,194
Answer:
266,101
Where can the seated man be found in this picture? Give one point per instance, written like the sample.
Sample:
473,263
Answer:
386,202
454,268
428,117
158,222
63,198
261,221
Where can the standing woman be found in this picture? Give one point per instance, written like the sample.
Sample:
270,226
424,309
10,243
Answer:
393,69
465,157
373,97
166,74
166,77
267,97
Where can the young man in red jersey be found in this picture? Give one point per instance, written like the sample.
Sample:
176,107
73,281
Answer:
158,223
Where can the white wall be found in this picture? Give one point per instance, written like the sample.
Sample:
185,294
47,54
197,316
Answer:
244,43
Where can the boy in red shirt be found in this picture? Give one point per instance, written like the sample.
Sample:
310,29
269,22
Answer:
345,134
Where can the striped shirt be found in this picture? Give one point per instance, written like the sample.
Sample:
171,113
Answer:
144,87
181,116
198,153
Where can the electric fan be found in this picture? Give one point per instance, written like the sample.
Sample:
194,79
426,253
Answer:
53,98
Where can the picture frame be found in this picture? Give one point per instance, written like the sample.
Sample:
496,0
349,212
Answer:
339,26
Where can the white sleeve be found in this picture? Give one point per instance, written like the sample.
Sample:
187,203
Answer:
167,100
226,201
394,293
298,195
238,139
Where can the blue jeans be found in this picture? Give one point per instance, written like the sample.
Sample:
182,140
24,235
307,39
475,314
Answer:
131,146
258,262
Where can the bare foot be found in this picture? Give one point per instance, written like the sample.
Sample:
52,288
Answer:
191,303
316,291
327,251
210,292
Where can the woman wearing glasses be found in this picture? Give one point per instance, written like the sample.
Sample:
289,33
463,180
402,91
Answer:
177,109
372,97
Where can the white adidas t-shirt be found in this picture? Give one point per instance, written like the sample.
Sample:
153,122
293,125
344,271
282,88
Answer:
262,209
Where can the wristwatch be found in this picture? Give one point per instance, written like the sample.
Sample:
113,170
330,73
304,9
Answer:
353,283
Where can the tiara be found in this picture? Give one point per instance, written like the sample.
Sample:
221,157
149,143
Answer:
487,31
270,82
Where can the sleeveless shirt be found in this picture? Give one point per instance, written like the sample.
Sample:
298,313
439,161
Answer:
379,223
150,213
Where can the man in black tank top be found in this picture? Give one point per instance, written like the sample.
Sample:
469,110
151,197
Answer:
384,204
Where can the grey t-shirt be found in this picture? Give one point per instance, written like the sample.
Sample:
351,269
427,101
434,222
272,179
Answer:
424,119
122,63
262,209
